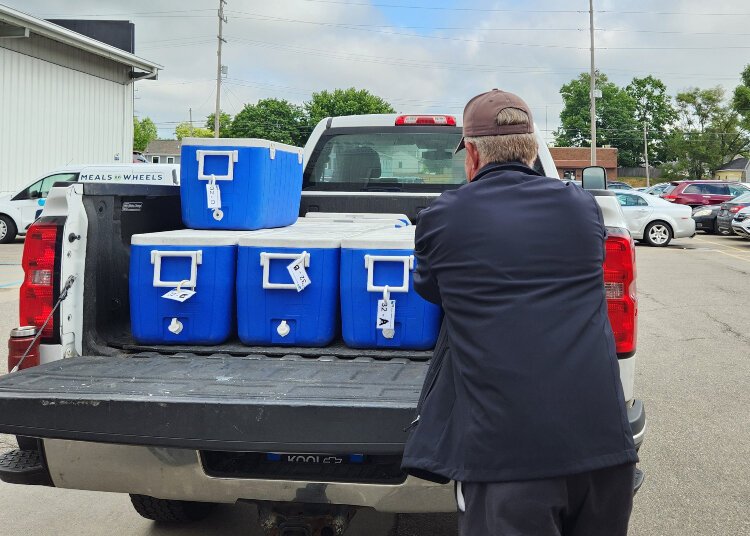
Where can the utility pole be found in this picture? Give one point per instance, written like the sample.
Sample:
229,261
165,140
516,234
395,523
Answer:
217,112
645,154
592,89
191,121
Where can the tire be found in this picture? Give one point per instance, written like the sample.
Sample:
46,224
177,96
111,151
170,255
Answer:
170,511
658,234
8,230
445,524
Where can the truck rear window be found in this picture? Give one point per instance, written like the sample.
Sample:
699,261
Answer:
387,159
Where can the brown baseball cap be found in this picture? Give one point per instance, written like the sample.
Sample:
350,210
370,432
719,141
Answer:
480,115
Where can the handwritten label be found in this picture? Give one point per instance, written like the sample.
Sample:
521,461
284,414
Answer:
299,274
213,195
386,314
179,295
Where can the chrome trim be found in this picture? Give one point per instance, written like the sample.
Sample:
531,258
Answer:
178,474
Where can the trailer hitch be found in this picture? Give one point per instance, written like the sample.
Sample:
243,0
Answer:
297,519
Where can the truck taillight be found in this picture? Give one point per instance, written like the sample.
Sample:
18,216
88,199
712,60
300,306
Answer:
620,287
440,120
38,289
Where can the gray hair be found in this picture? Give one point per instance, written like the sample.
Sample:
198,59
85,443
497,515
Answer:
509,147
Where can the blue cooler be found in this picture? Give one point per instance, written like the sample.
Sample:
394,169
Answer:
196,272
242,184
270,308
376,270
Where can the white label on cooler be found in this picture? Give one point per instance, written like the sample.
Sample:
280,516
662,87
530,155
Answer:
386,314
213,195
179,294
299,274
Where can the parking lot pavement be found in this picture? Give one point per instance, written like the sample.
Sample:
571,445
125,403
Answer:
692,374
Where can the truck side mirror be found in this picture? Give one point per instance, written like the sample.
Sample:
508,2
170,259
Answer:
594,178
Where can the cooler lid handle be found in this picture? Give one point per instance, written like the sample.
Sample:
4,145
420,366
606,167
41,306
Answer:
265,262
201,154
196,258
370,260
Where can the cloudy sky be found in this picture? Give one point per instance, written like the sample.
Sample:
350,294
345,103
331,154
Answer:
421,56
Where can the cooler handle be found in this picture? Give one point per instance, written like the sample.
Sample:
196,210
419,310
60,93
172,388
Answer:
265,262
201,154
196,258
370,260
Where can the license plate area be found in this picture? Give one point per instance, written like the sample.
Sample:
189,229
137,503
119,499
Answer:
372,469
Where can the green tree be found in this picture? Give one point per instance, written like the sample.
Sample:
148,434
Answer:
225,124
654,108
344,102
616,123
184,130
271,119
144,132
741,98
708,134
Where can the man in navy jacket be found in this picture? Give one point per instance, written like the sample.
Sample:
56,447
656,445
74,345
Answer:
525,410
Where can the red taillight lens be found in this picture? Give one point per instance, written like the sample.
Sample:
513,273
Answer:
620,287
37,290
735,209
440,120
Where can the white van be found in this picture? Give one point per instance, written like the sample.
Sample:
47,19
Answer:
19,210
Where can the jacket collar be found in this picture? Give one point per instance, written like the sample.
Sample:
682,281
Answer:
491,169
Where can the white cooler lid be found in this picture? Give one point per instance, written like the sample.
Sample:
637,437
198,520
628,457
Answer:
397,238
311,234
358,216
188,237
241,143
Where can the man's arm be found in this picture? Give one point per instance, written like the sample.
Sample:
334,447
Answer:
425,280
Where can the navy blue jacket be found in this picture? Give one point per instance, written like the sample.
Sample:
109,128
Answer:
524,383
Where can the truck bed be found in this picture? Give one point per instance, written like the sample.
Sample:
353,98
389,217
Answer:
251,403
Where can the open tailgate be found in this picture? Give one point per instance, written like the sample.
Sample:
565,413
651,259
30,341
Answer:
221,402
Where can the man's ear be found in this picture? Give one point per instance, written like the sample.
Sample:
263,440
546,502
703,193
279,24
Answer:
472,160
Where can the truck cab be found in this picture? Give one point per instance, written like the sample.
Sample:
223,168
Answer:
311,435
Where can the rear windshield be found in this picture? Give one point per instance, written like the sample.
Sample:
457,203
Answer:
387,159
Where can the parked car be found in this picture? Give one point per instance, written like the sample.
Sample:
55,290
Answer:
741,223
729,209
655,221
697,193
618,185
705,218
657,189
19,210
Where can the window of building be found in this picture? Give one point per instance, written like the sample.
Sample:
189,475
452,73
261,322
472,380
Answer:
569,174
155,159
170,160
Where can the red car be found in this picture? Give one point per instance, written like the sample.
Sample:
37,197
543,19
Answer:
698,193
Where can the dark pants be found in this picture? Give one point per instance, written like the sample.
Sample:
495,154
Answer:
597,503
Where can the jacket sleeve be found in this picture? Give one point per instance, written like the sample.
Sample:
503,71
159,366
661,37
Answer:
425,279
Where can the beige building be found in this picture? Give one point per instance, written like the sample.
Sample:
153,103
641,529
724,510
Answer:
570,161
736,170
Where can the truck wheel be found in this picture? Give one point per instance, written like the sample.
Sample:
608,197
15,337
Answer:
445,524
169,511
8,229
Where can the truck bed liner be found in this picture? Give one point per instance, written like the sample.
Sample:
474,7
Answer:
218,402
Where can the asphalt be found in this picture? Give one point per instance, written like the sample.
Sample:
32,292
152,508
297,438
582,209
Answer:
692,374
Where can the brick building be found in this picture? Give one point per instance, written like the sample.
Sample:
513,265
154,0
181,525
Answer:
571,160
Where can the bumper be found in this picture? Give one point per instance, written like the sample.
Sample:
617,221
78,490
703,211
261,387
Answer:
724,223
742,229
178,474
705,223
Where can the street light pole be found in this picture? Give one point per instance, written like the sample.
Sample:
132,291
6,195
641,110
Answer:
592,89
217,112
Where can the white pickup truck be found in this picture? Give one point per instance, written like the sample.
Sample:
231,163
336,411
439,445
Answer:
310,435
